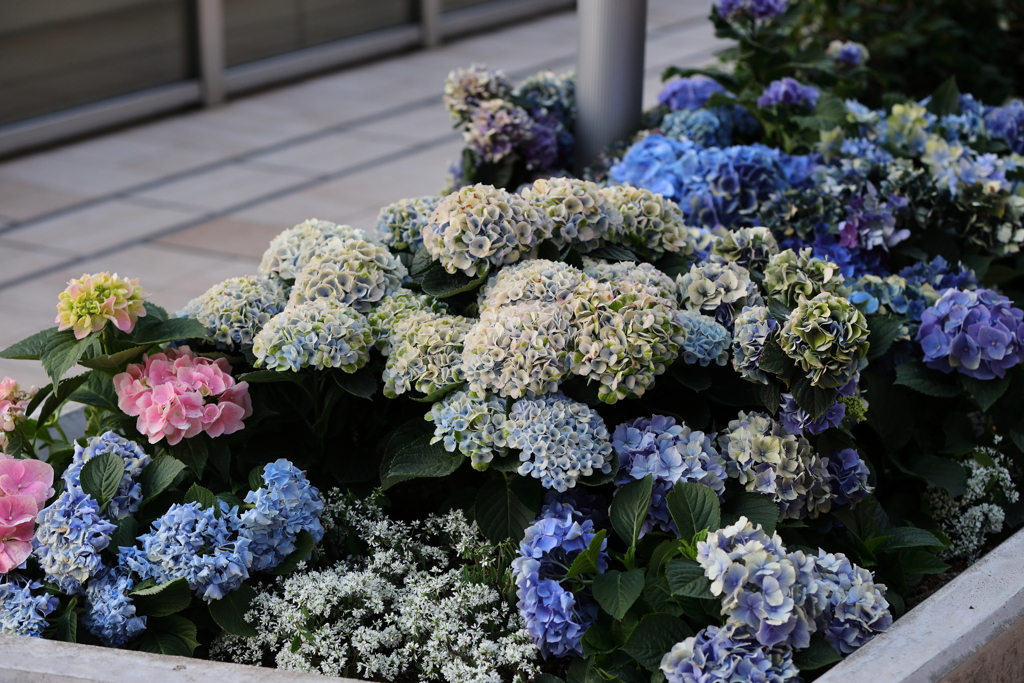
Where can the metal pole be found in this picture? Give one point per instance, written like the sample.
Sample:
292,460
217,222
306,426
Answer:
609,73
430,17
211,51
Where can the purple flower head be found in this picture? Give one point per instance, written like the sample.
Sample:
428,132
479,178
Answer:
848,53
795,420
871,221
760,10
788,91
849,481
941,275
541,151
689,93
1007,122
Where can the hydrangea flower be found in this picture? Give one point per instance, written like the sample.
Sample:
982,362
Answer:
651,222
426,353
176,394
109,612
29,477
717,288
626,337
13,402
23,613
482,226
578,212
796,420
848,53
753,328
855,609
286,505
559,440
871,222
724,654
319,333
643,274
235,310
670,453
1007,123
129,492
521,352
907,126
941,275
91,300
827,337
192,542
704,340
760,10
290,251
465,89
17,522
688,93
977,333
790,277
496,127
703,126
788,92
750,248
872,294
394,308
850,474
555,93
473,425
954,166
536,281
401,224
547,144
353,272
69,538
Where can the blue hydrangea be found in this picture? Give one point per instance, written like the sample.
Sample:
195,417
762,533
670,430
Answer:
109,612
871,221
235,310
968,125
859,159
700,125
941,275
400,225
850,474
473,425
788,92
1007,123
193,542
752,329
285,506
977,333
555,618
728,654
559,440
761,10
848,53
670,453
69,538
550,92
22,612
688,93
705,342
796,420
129,492
955,167
855,609
872,294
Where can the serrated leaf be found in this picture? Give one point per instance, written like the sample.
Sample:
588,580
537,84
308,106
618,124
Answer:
630,507
441,284
616,591
883,331
614,252
29,348
819,654
303,547
126,533
158,475
986,391
815,400
779,310
256,478
655,635
229,612
916,376
908,537
922,562
98,390
694,507
38,399
164,599
171,635
419,458
435,396
193,453
65,629
500,514
62,351
101,476
116,362
586,561
56,399
774,360
156,331
155,311
422,261
758,508
361,383
686,578
770,395
203,496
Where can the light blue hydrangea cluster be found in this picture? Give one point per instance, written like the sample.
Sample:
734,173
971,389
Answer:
954,166
400,225
855,608
286,505
643,274
129,492
390,311
555,618
321,333
728,654
110,614
688,93
891,294
551,92
907,127
1007,123
290,251
235,310
796,420
473,425
576,210
70,535
535,281
193,542
353,272
559,440
671,453
702,126
23,612
704,340
753,328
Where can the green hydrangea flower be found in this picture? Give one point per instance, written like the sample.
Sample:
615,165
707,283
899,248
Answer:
91,300
827,337
401,224
643,274
426,353
322,333
578,212
355,272
790,277
748,247
235,310
652,223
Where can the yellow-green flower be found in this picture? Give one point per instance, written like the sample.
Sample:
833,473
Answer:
827,337
90,301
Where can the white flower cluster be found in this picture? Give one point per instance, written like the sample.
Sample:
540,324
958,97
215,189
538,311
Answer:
320,333
969,518
425,353
714,287
653,223
750,248
579,213
235,310
560,440
482,226
354,272
400,225
290,251
403,612
392,309
473,425
644,274
536,281
465,89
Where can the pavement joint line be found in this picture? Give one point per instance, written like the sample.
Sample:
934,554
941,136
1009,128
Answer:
171,205
35,248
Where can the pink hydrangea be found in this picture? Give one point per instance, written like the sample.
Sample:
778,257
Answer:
17,524
177,395
13,402
91,300
25,478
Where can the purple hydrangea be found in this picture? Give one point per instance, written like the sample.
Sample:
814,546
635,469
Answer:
978,333
849,483
848,53
287,505
855,609
688,93
795,420
1007,123
724,654
790,92
541,150
755,9
941,275
871,221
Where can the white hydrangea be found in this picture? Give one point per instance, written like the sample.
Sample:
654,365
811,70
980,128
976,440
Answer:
579,214
560,440
400,225
395,307
718,288
320,333
473,425
536,281
480,226
355,272
638,273
465,89
750,248
651,222
290,251
233,311
426,353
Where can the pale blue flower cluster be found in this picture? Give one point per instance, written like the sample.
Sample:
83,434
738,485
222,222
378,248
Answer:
292,250
941,275
728,654
753,328
400,225
286,505
671,453
954,166
193,542
68,541
129,492
688,93
495,128
577,212
559,440
749,248
788,92
473,425
702,126
357,273
466,89
110,614
855,608
236,309
22,612
643,274
705,341
848,53
554,93
321,333
719,289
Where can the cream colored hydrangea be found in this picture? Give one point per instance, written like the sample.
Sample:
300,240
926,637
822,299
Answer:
355,272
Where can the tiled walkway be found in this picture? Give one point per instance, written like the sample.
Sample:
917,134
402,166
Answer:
187,201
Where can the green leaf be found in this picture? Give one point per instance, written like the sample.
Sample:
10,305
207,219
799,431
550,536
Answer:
598,639
691,376
126,533
164,599
758,508
921,562
229,612
614,252
923,380
193,453
419,458
38,399
500,514
270,377
779,310
616,591
303,547
63,393
201,495
435,396
29,348
630,507
694,507
441,284
655,635
944,472
547,678
686,578
883,331
986,391
362,383
586,561
155,311
65,629
946,98
774,359
97,391
116,362
101,476
63,351
815,400
770,395
158,475
909,537
171,635
156,331
819,654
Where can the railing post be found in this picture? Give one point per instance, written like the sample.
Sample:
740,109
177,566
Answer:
430,19
609,73
211,51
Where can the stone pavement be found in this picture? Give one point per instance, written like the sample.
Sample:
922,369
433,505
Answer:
189,200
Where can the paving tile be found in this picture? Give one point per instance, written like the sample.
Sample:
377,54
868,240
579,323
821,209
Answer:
284,212
21,199
229,235
17,260
334,152
222,187
418,125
